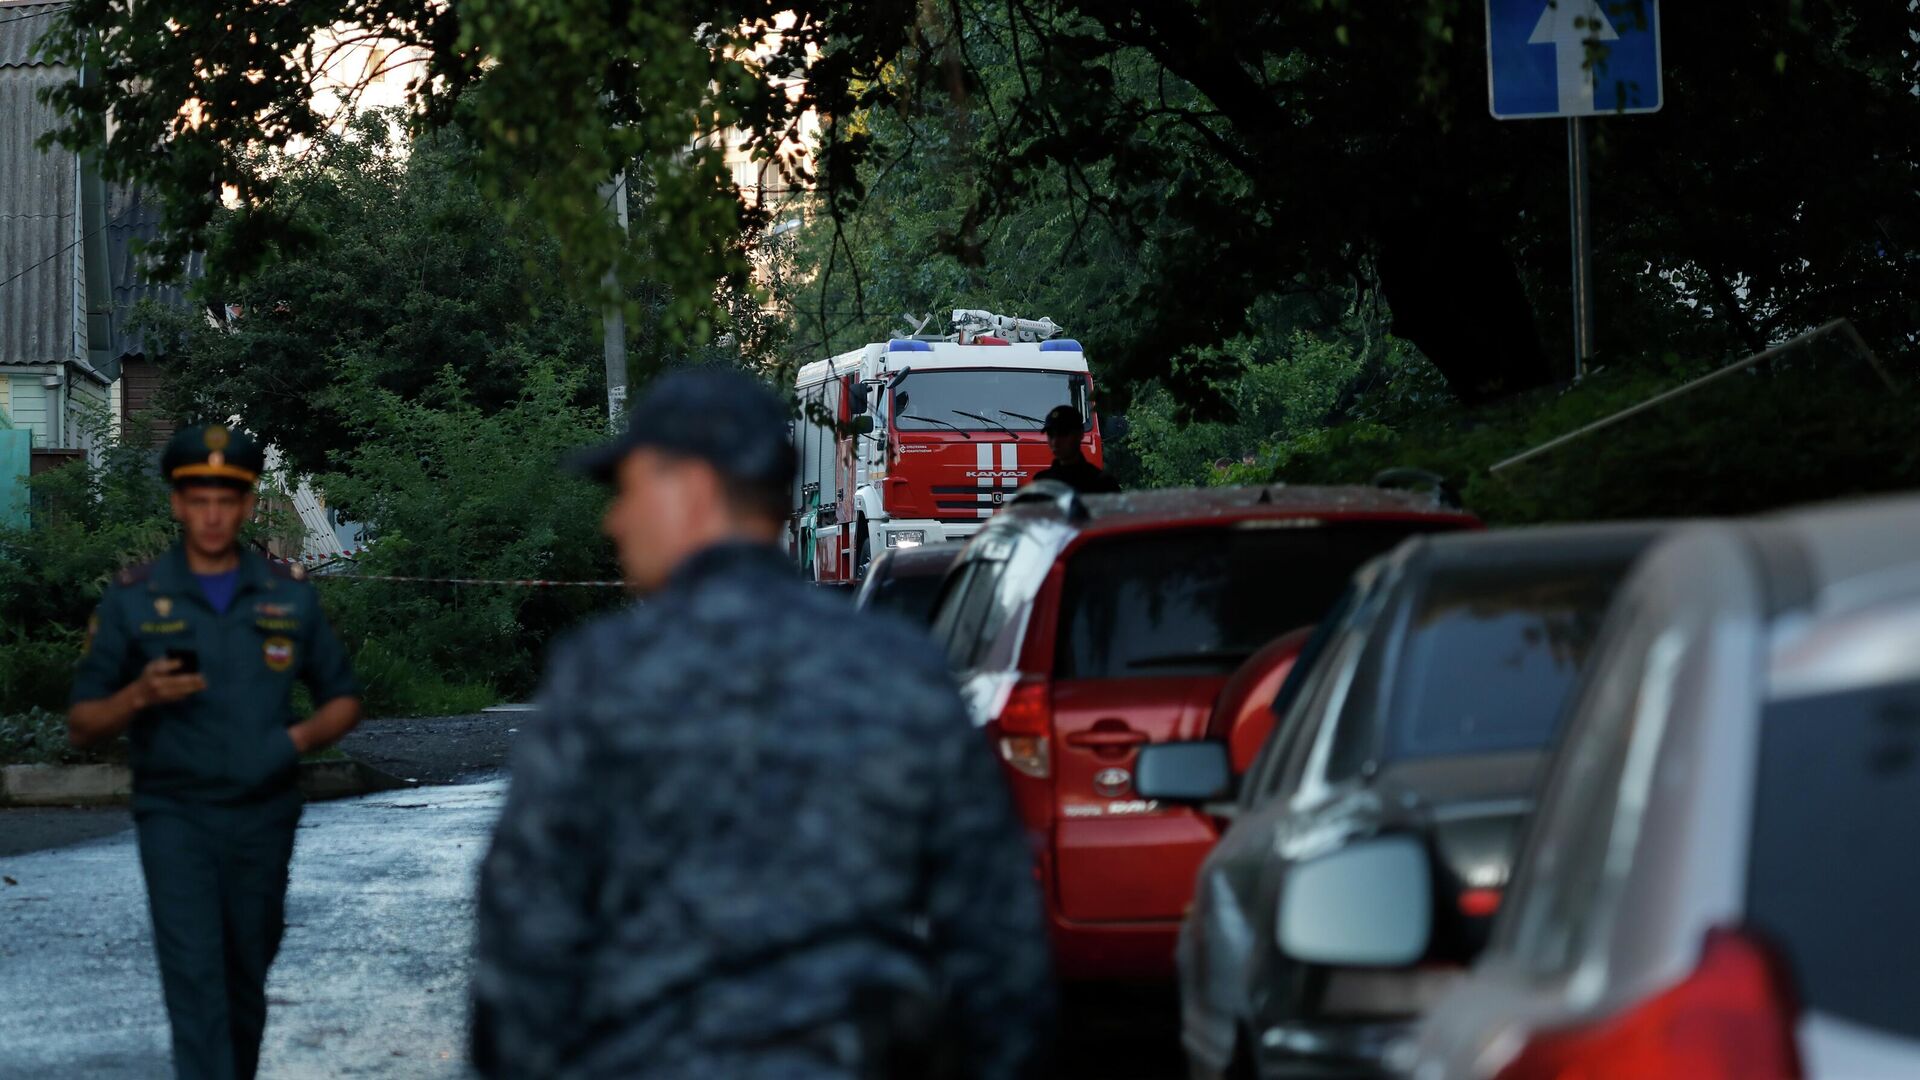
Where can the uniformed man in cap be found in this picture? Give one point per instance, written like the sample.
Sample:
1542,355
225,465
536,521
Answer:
751,832
194,655
1065,428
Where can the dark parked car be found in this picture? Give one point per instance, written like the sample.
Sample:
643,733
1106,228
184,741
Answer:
1721,881
906,581
1416,721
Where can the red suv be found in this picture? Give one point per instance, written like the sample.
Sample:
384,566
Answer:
1082,628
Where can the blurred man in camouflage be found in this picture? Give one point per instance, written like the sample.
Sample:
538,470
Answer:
751,833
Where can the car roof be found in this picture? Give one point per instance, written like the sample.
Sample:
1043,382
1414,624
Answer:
1536,543
1175,506
1863,548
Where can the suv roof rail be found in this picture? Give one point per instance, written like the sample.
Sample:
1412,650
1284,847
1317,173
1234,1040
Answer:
1054,493
1409,478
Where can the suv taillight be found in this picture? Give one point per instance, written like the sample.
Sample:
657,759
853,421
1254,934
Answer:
1026,728
1732,1018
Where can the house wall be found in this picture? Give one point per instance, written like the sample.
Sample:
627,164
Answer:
140,385
29,407
89,418
6,399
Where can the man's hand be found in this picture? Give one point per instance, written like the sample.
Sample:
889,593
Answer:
89,722
157,685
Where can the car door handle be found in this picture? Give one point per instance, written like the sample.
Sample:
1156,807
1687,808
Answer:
1106,740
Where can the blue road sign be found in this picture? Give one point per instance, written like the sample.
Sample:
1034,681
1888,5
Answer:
1538,53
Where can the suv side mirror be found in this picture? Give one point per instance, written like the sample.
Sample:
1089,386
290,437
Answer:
1367,905
1184,772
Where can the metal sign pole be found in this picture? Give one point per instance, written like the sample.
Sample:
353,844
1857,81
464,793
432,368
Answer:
1582,213
613,318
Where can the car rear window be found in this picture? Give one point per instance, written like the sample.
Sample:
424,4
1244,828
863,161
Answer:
912,597
1833,881
1201,601
1491,654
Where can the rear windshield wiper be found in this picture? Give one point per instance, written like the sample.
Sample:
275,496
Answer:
942,423
985,420
1235,658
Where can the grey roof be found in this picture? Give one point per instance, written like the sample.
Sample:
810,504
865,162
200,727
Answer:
42,228
133,218
39,202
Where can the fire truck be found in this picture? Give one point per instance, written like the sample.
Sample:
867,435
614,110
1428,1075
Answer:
917,440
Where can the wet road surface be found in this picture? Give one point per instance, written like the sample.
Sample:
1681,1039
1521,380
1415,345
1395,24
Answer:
371,980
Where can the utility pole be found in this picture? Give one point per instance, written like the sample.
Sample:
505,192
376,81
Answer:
1580,191
613,317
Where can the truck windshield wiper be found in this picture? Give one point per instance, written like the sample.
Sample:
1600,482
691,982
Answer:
942,423
1023,416
986,420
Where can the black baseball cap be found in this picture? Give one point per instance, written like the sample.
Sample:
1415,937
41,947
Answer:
1062,419
722,416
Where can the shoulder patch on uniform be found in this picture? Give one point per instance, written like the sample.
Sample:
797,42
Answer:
133,575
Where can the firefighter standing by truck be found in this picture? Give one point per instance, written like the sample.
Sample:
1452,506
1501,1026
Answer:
715,861
195,656
1065,427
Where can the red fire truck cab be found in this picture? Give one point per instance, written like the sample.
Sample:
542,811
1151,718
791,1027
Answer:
918,441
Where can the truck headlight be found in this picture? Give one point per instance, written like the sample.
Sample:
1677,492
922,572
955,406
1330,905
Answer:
906,538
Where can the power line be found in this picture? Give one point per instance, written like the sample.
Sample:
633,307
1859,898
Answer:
62,251
36,15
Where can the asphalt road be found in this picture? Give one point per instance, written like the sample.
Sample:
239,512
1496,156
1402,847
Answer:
371,980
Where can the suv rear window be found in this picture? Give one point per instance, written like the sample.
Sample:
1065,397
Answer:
911,596
1522,633
1833,880
1201,601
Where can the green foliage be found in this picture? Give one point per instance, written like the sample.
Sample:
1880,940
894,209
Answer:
1808,427
39,737
420,272
1274,399
448,490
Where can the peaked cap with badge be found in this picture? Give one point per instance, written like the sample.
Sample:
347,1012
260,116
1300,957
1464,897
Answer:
213,454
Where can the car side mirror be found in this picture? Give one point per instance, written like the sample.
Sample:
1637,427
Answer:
863,425
857,398
1367,905
1193,773
1114,428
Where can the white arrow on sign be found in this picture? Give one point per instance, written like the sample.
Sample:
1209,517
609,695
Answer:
1569,25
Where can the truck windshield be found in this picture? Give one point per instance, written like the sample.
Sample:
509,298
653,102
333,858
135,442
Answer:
941,400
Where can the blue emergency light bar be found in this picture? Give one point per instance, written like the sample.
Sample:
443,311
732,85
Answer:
901,345
1060,345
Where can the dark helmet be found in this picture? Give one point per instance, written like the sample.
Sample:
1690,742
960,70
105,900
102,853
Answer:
1064,420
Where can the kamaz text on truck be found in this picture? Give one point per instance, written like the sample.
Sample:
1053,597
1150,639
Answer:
931,435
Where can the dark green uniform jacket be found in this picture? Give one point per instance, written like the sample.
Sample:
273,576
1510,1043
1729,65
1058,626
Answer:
228,743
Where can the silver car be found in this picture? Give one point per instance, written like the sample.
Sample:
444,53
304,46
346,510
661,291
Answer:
1721,880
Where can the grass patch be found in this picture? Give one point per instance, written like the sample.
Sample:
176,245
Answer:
39,737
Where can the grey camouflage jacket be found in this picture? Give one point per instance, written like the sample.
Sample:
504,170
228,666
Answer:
752,834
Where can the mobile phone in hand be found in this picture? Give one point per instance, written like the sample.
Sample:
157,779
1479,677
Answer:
189,661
